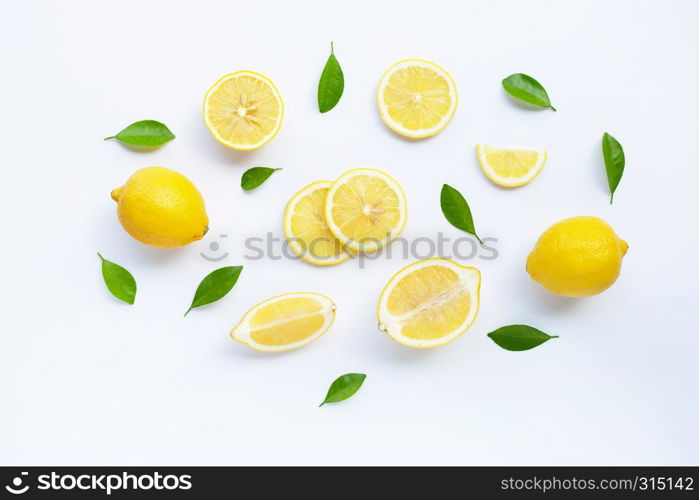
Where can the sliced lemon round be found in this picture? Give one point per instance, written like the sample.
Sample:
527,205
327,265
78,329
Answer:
243,110
429,303
306,230
510,167
365,209
285,322
416,98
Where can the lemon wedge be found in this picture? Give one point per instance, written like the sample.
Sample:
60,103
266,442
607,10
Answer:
365,209
285,322
243,110
306,230
429,303
510,167
416,98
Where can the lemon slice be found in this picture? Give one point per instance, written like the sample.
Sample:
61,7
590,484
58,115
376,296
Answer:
365,209
416,98
243,110
510,167
285,322
429,303
306,230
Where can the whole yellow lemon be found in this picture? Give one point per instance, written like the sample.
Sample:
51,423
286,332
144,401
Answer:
577,257
161,207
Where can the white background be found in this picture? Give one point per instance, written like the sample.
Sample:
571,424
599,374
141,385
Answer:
86,379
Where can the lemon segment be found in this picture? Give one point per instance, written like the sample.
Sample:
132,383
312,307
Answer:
429,303
365,209
285,322
243,110
510,167
416,98
307,231
161,207
577,257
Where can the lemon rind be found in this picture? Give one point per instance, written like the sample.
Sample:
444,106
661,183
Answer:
233,145
241,331
386,325
420,133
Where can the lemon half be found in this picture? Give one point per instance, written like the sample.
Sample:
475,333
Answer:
365,209
285,322
243,110
429,303
510,167
416,98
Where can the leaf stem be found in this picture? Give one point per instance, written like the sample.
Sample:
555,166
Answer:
185,314
332,47
611,200
112,137
100,255
554,109
479,240
553,336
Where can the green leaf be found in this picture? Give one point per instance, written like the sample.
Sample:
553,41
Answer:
614,162
118,280
255,177
527,89
215,286
519,337
456,210
331,84
344,387
146,133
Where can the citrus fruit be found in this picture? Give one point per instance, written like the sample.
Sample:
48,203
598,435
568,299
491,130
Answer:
306,230
285,322
243,110
577,257
510,167
416,98
365,209
161,207
430,302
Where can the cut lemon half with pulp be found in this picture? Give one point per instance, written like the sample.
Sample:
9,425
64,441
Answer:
243,110
285,322
416,98
365,209
306,230
510,167
429,303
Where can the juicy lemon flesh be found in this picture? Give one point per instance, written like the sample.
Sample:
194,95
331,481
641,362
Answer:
430,302
308,226
508,163
577,257
161,207
417,97
289,331
286,321
243,110
366,208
